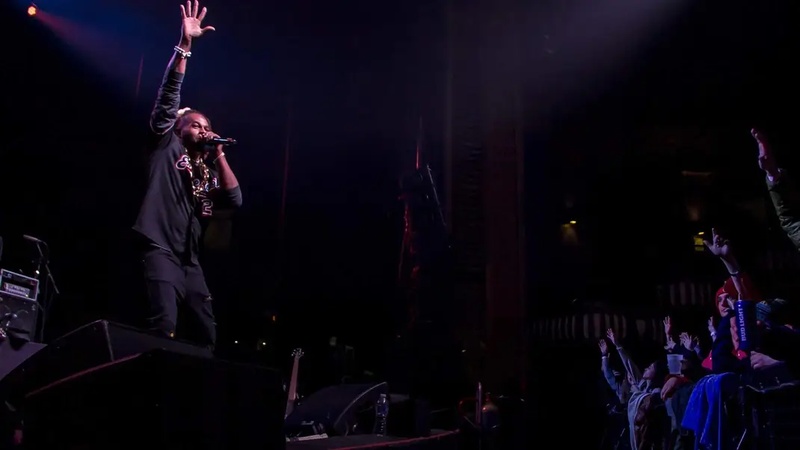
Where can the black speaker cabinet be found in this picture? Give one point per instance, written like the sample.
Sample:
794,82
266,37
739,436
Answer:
93,344
341,409
159,400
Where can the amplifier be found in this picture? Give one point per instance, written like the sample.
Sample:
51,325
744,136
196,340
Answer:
18,315
18,284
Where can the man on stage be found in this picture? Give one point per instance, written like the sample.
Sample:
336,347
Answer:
182,189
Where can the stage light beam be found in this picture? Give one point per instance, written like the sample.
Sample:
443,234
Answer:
32,10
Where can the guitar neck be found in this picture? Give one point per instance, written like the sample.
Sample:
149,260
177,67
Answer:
293,381
291,396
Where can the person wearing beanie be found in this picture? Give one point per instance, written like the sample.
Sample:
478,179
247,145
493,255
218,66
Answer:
738,286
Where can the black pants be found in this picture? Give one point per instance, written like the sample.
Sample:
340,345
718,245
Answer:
178,289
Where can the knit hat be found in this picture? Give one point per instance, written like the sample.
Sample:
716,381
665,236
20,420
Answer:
728,287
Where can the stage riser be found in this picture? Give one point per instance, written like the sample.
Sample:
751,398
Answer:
97,343
439,440
160,400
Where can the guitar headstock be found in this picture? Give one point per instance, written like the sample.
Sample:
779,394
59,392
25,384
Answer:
297,353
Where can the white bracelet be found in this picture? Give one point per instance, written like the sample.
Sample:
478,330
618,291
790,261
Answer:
182,53
218,157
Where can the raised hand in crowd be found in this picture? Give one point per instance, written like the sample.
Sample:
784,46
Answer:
603,347
670,343
766,159
782,191
721,247
668,333
712,330
612,337
687,341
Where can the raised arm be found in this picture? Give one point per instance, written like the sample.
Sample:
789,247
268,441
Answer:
165,111
631,369
786,200
721,248
605,367
782,191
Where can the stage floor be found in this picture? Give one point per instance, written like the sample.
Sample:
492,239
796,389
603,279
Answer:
439,439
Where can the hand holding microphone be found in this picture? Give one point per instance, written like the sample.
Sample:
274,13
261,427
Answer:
221,141
213,140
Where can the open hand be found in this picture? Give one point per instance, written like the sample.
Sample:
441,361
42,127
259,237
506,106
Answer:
193,17
603,347
670,343
683,338
611,337
687,341
667,325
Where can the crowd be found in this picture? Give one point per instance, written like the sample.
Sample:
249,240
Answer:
733,385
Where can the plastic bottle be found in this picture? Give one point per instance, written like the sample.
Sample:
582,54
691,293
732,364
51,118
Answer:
381,412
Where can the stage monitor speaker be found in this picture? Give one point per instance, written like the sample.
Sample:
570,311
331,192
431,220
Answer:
159,400
14,352
93,344
341,409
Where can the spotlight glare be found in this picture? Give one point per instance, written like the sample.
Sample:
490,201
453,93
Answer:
31,10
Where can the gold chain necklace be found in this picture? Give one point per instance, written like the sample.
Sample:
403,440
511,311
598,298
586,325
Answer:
198,186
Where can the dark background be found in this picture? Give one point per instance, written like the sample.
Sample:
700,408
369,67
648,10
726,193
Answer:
614,116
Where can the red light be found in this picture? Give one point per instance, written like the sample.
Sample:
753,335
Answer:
31,10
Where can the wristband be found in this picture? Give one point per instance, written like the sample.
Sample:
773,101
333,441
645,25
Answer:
183,54
218,157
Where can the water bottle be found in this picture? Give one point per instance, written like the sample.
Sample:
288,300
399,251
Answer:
381,411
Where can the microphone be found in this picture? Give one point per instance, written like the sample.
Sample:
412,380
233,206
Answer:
221,141
33,239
